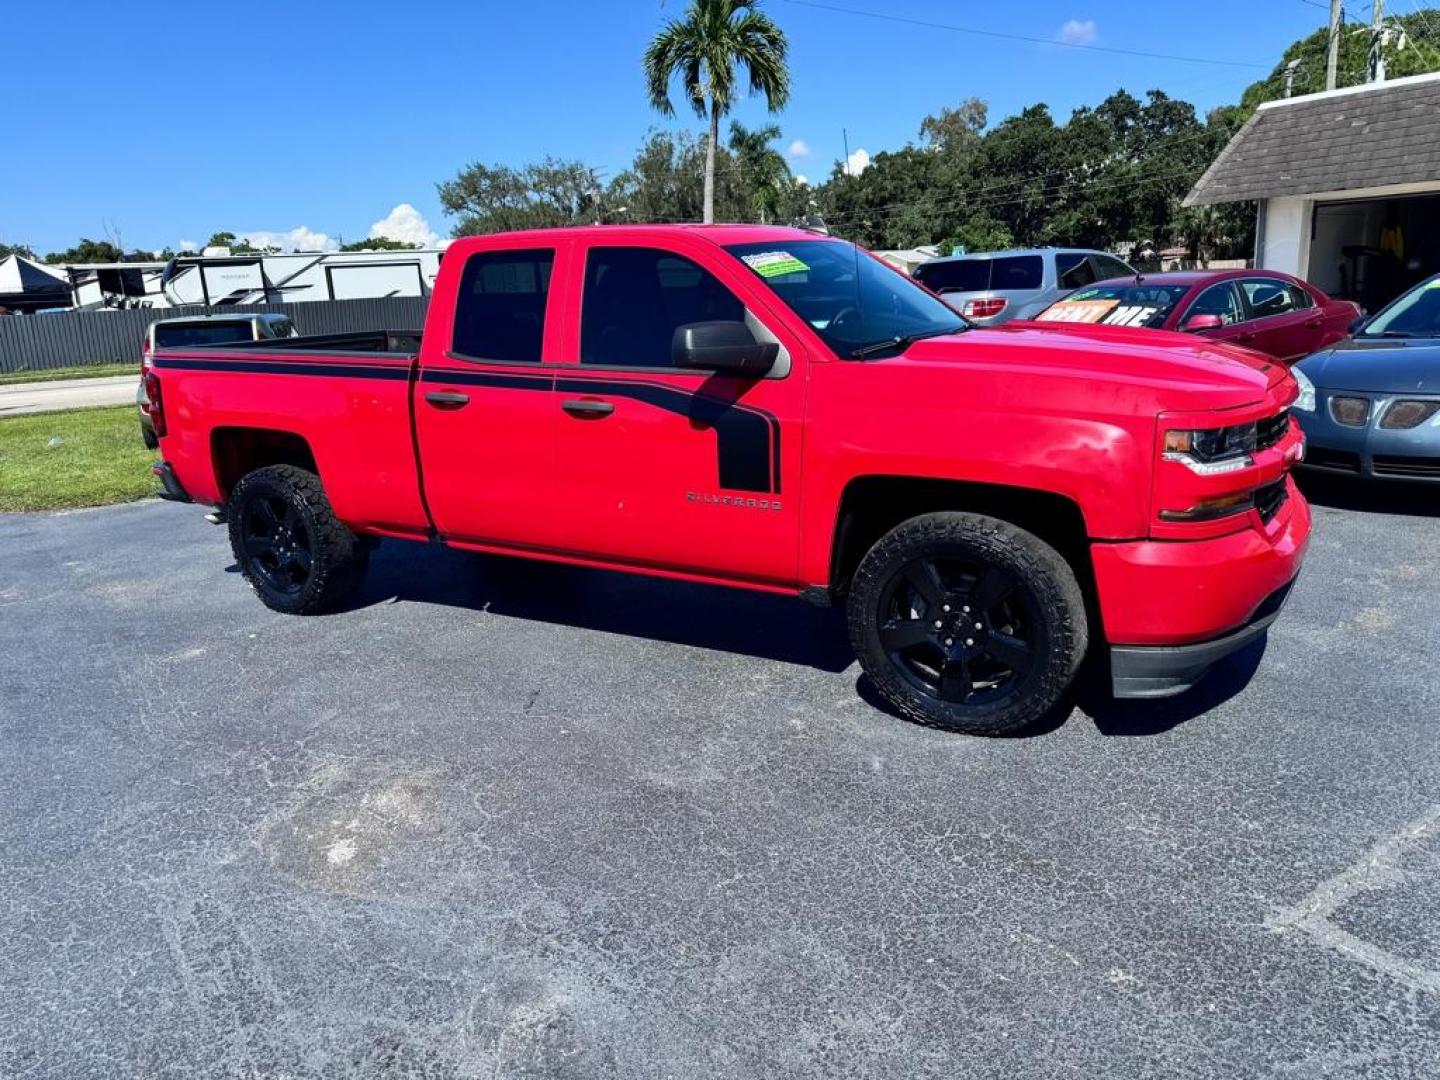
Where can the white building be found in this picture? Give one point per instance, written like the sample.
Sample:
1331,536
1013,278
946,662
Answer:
1347,184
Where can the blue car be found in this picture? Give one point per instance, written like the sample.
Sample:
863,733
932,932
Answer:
1370,405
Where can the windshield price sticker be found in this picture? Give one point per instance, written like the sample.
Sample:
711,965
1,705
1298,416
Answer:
770,264
1106,312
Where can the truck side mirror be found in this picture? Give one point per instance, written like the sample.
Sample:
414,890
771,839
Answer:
722,346
1196,323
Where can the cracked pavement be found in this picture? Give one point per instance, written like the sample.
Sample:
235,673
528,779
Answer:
510,820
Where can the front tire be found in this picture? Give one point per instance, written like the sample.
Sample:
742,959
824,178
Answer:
967,623
295,553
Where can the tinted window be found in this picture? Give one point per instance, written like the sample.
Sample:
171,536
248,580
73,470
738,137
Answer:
1073,269
210,333
848,297
1217,300
501,311
1017,272
1117,305
1267,297
636,298
1111,267
959,275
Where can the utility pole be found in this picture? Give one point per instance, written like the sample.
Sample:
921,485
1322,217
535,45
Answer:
1332,58
1377,42
845,136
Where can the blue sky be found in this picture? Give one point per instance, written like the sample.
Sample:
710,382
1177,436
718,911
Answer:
170,121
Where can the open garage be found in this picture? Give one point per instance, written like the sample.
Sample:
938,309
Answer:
1347,186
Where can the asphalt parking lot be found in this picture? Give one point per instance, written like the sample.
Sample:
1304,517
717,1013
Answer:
511,820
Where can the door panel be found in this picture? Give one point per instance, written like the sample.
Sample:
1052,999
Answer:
685,470
485,420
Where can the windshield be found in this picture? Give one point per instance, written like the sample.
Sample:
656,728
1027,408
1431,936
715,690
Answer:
183,335
1416,314
1117,305
852,300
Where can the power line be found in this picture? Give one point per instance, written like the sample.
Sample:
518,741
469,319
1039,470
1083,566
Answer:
816,4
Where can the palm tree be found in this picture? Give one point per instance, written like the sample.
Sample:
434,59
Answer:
704,49
764,175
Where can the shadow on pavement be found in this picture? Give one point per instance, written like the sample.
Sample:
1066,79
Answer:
732,620
1129,718
1370,496
683,613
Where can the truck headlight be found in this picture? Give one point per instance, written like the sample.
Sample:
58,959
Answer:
1210,451
1306,401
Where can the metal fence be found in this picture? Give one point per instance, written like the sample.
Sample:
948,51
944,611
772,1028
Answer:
67,338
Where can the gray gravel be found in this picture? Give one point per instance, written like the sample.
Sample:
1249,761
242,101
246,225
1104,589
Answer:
512,820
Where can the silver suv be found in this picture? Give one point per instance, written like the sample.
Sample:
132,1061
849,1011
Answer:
203,330
992,287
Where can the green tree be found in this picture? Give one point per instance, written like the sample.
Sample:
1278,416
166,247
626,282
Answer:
1420,55
760,170
380,243
704,49
496,198
87,251
6,250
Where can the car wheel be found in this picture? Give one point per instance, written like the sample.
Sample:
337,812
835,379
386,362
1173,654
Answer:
967,623
292,549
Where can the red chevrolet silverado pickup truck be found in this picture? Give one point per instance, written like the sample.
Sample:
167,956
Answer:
776,410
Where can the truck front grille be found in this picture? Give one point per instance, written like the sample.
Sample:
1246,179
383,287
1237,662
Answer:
1269,499
1272,429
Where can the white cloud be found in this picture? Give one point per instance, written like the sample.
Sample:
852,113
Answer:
299,238
801,180
189,245
1079,32
857,162
799,149
406,224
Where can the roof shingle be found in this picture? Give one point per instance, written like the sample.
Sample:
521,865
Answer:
1369,137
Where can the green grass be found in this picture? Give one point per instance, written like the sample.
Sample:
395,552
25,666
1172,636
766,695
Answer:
98,459
80,371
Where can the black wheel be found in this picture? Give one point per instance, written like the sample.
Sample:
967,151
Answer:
967,623
295,553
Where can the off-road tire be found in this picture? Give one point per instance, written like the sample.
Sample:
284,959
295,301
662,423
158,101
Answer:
1041,581
338,558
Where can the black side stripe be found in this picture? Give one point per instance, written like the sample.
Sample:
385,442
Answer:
747,438
398,372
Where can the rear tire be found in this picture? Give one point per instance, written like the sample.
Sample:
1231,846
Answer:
295,553
967,623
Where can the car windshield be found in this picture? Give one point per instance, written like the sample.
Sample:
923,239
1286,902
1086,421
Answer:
852,300
1127,304
209,333
1416,314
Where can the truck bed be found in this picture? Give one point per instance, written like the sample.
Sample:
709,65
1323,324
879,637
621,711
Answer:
388,342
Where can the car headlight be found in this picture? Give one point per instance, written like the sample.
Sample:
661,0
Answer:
1306,401
1209,451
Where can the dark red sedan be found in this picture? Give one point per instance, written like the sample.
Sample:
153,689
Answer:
1262,309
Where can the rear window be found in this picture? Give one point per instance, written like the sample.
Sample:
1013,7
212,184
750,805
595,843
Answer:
181,335
961,275
1117,305
980,275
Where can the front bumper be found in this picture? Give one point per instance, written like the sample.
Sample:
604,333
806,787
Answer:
1158,671
1371,451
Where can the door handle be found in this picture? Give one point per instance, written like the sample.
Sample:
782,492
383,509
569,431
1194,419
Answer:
1247,336
588,408
448,399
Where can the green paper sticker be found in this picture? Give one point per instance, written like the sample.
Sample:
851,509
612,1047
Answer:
770,264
